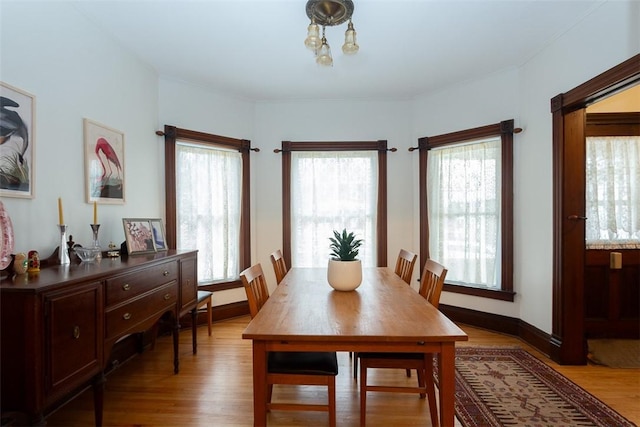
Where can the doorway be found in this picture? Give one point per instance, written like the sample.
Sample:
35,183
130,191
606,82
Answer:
568,340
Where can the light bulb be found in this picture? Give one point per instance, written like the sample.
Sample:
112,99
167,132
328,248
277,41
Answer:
324,54
350,46
313,42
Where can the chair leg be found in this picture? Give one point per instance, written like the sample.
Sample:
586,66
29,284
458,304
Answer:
209,315
431,391
363,394
408,373
194,330
355,365
332,401
421,382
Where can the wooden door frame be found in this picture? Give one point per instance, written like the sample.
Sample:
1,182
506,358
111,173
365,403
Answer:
568,344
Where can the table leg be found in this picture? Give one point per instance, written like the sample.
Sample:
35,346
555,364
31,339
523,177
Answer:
176,353
446,372
259,384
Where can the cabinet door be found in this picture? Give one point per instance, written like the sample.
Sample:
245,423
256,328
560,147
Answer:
73,337
188,283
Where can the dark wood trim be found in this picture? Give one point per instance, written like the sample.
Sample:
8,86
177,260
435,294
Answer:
568,344
171,135
381,226
498,323
506,130
613,124
229,311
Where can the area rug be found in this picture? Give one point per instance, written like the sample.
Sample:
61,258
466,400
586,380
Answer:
615,353
510,387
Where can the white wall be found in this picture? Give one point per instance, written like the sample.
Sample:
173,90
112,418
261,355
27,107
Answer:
76,72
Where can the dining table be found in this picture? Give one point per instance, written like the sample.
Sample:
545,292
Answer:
383,314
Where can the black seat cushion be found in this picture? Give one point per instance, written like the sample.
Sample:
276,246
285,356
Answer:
403,356
307,363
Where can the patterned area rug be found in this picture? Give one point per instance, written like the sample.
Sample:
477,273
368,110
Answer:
510,387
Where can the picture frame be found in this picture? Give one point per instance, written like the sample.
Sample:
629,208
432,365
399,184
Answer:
138,234
159,238
17,152
104,163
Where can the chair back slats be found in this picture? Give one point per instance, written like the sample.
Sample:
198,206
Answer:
255,285
279,266
432,281
404,265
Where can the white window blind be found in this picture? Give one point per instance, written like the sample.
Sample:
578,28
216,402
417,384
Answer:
331,191
464,211
613,192
209,194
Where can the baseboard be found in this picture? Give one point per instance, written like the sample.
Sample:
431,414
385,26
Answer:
498,323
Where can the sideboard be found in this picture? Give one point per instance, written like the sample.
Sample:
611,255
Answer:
58,326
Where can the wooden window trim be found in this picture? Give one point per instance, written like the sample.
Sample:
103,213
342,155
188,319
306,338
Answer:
506,130
171,135
381,226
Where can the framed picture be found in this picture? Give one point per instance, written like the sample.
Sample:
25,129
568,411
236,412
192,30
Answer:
159,241
104,163
138,234
18,142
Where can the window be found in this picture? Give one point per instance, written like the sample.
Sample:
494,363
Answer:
330,186
207,186
466,217
613,181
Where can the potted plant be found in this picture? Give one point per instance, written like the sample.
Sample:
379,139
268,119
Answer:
345,270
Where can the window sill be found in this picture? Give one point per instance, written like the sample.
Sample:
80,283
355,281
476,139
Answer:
480,292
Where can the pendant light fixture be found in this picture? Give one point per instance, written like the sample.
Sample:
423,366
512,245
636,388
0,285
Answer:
329,13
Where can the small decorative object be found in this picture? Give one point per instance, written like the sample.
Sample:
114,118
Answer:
20,263
6,238
113,251
87,254
158,235
104,164
138,235
17,148
344,272
63,253
34,262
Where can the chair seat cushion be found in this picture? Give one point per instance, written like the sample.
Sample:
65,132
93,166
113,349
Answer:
203,295
307,363
402,356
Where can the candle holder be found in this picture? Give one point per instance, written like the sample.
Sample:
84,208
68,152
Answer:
63,253
96,242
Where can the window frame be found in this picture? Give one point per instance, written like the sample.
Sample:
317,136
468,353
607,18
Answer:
173,134
381,210
505,130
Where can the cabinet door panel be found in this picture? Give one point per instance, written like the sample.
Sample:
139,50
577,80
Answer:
188,283
73,337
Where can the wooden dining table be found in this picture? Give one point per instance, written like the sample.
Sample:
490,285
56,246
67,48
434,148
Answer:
383,314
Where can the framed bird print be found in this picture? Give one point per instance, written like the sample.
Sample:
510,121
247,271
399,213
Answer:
104,163
17,142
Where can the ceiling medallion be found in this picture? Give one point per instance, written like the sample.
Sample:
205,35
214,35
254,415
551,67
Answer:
329,13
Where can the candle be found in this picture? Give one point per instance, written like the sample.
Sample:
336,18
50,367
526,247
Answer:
95,212
60,216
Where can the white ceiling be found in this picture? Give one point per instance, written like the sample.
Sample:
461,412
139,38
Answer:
253,49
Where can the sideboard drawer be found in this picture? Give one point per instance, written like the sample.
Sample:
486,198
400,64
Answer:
124,319
122,288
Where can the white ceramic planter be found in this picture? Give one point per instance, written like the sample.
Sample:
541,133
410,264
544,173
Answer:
344,275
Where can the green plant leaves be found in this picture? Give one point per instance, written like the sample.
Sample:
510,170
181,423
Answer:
344,247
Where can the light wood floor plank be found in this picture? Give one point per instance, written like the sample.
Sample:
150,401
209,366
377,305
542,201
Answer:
214,387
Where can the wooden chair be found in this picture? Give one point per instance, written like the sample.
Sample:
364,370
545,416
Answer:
204,298
279,266
404,269
292,368
404,265
431,284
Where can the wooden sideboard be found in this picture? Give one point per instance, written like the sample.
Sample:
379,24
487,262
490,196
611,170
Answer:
58,326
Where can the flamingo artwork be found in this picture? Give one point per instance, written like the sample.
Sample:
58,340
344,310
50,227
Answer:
109,186
102,145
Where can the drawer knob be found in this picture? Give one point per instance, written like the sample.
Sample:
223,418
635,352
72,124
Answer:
126,316
167,297
165,273
126,287
76,332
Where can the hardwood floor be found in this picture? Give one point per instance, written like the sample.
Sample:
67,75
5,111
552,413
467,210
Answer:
214,387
